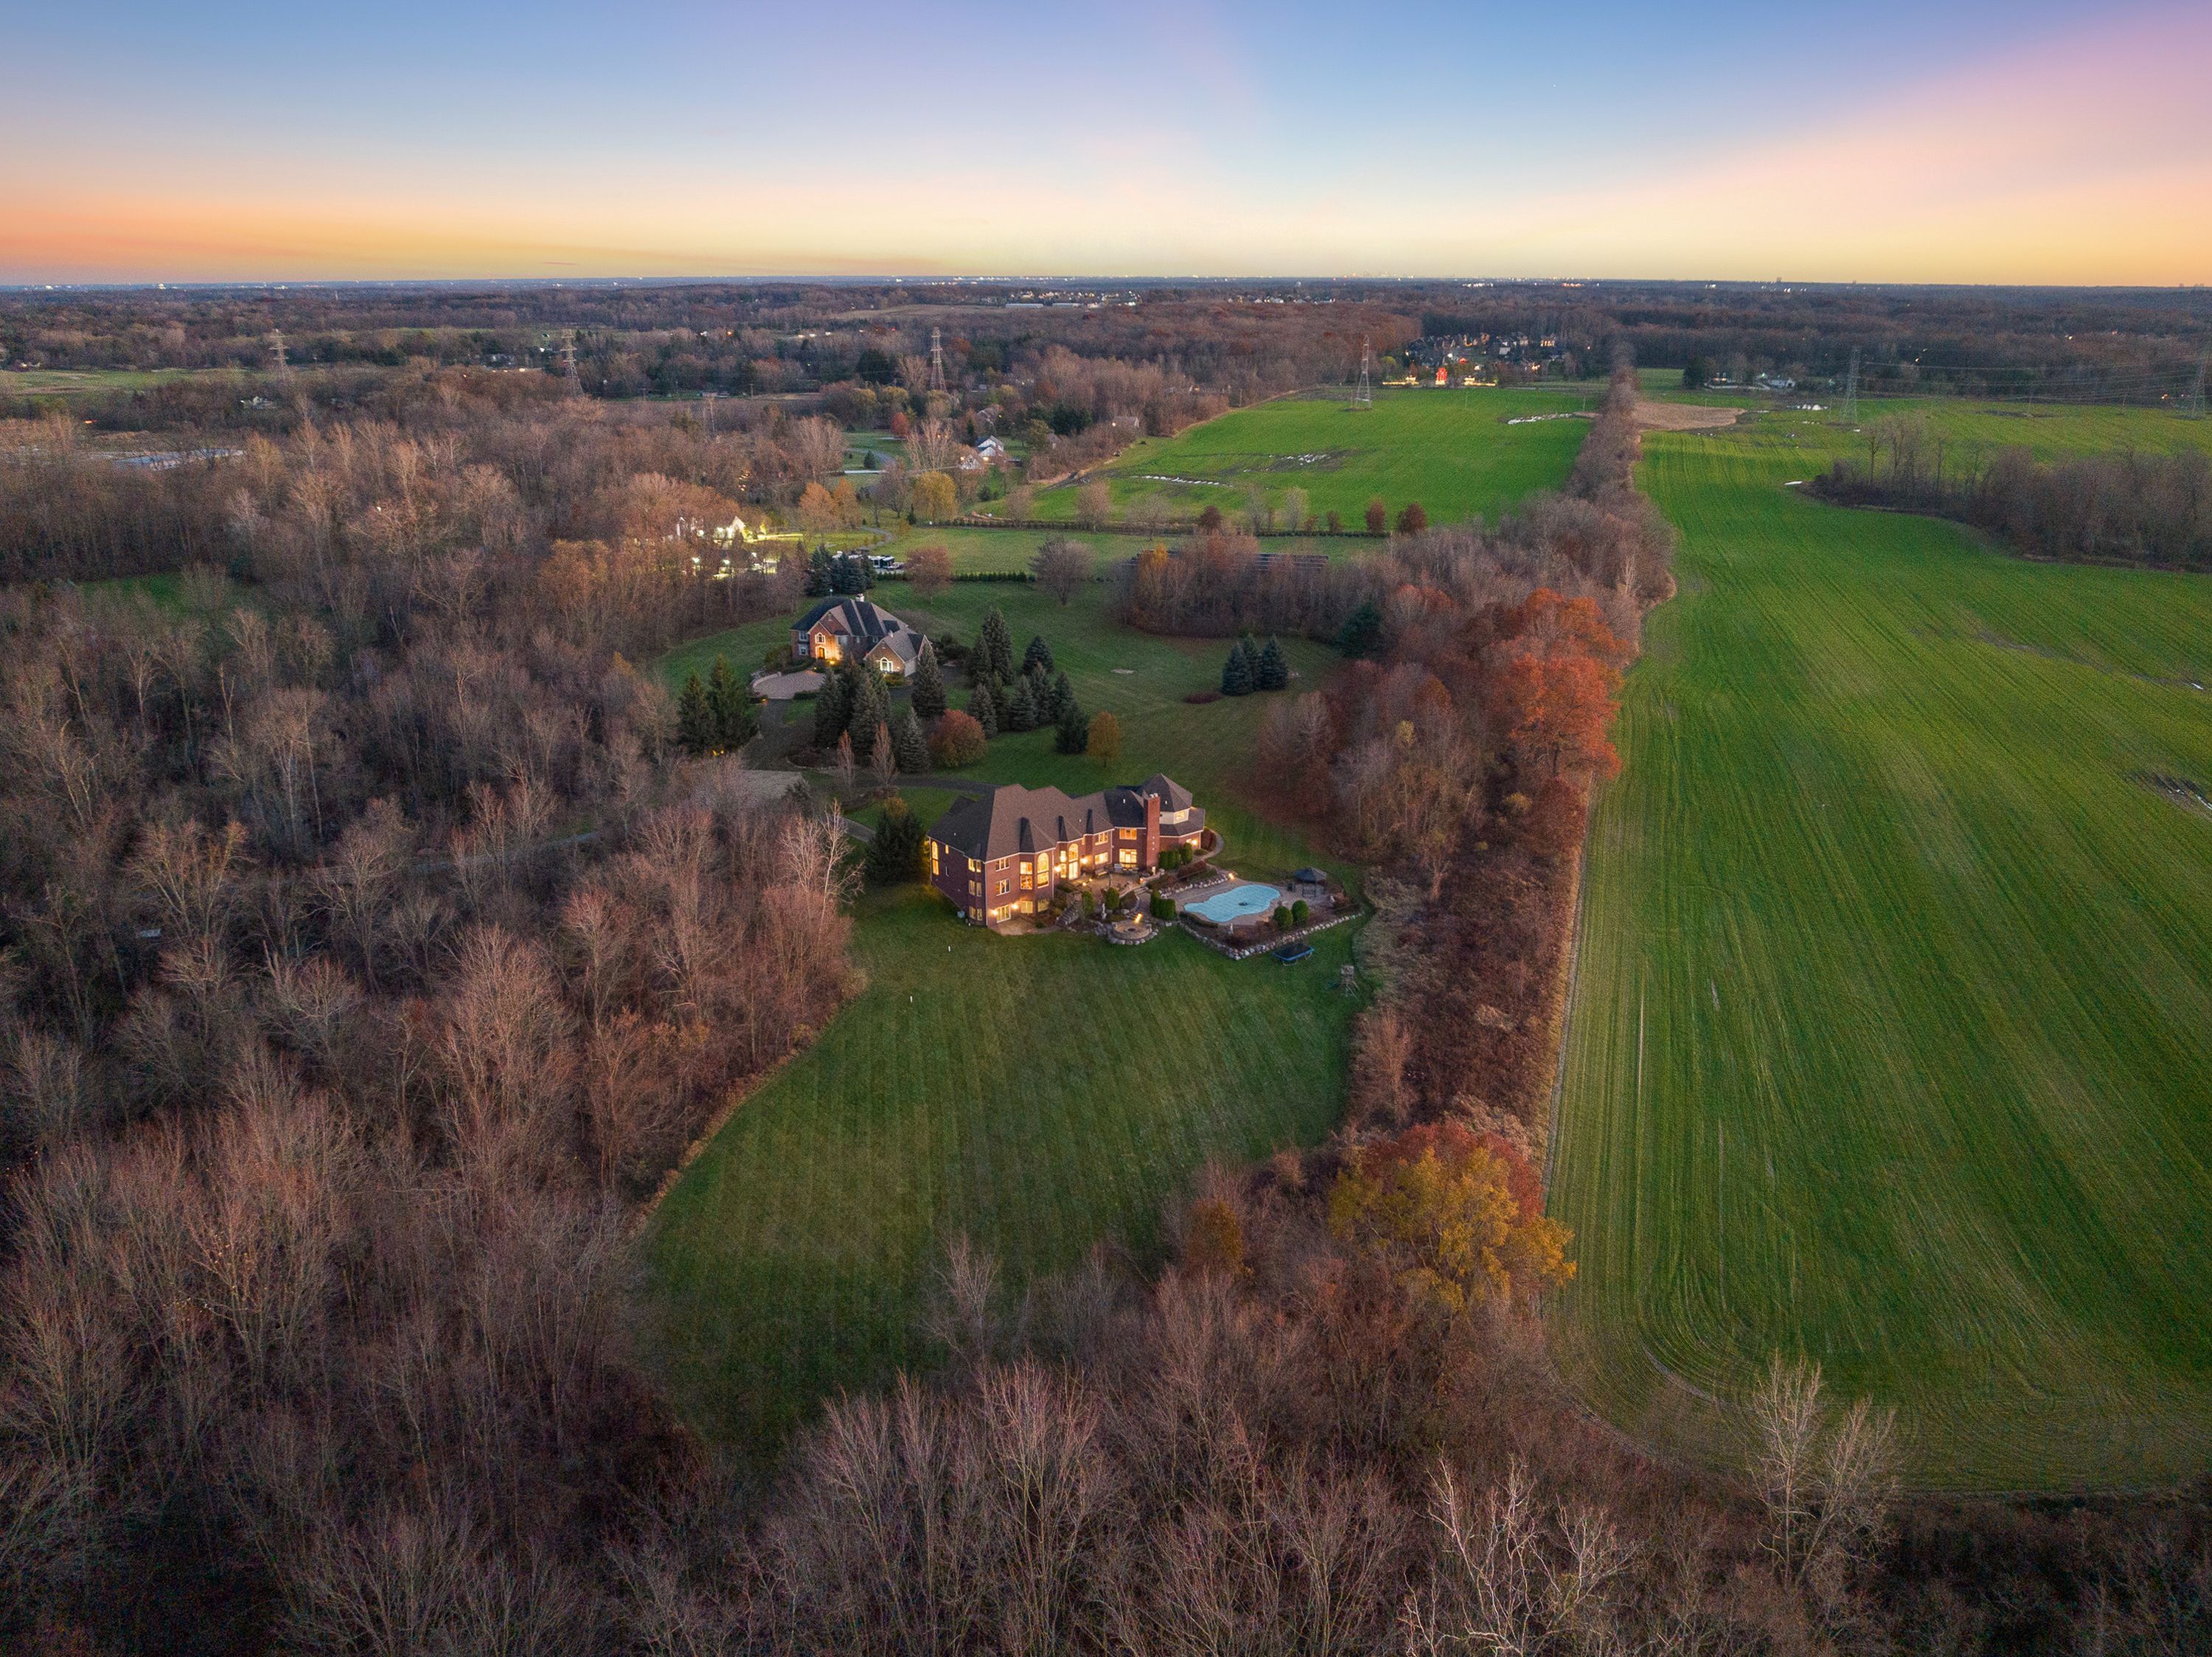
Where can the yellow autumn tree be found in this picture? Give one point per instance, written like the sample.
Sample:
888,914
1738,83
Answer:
1458,1217
934,497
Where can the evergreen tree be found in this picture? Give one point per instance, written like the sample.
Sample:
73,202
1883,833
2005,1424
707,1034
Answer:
928,694
1273,673
896,853
695,720
851,573
731,706
1038,654
833,710
908,746
1063,697
1021,708
1361,635
994,649
1072,735
984,707
870,701
1236,672
821,578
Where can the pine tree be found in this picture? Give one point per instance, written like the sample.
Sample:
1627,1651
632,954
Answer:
909,745
896,853
928,695
870,701
731,706
820,577
995,648
983,709
833,711
1273,673
1361,635
1236,672
851,573
1021,708
1063,697
695,720
1038,654
1072,735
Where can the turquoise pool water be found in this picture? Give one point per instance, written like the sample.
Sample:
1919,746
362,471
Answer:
1236,903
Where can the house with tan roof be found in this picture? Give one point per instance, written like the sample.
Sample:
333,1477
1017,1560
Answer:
1009,853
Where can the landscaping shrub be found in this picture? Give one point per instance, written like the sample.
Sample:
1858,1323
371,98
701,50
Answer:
1299,911
1164,907
1282,918
957,740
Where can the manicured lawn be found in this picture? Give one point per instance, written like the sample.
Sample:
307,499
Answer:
1036,1095
1451,450
745,647
926,804
1889,1043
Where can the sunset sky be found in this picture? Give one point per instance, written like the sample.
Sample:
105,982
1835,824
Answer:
1935,141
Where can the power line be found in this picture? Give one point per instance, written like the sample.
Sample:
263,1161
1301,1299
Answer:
1851,389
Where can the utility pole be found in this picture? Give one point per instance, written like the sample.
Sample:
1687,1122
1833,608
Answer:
1851,390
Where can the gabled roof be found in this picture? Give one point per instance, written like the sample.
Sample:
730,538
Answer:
852,616
1011,819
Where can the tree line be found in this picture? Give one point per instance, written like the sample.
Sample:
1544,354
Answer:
2121,507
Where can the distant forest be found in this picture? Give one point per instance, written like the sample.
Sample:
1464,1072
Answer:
1243,340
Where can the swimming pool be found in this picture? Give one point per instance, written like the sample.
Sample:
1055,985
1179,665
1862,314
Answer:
1249,897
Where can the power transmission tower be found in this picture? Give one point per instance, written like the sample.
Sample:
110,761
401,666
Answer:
1851,390
278,362
1365,397
569,362
2193,404
935,362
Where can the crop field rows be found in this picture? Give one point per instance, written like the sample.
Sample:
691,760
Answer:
1888,1040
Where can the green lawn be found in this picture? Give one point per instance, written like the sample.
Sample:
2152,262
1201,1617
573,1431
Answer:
1034,1093
1889,1041
928,804
1449,449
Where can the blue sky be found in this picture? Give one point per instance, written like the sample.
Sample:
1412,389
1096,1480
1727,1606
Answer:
1608,139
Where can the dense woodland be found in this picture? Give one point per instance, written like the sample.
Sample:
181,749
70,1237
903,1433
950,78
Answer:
371,950
2128,507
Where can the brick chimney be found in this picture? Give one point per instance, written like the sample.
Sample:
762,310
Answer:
1151,830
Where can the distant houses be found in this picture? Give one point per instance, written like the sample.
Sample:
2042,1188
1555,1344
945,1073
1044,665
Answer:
853,628
1006,854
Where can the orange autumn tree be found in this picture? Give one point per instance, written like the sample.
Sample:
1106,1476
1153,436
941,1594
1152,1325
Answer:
1554,681
1458,1217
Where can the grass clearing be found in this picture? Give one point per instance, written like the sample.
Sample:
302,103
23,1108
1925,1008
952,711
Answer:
1036,1095
1888,1040
1450,449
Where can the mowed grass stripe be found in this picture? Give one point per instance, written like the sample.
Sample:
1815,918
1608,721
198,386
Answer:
1037,1094
1886,1046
